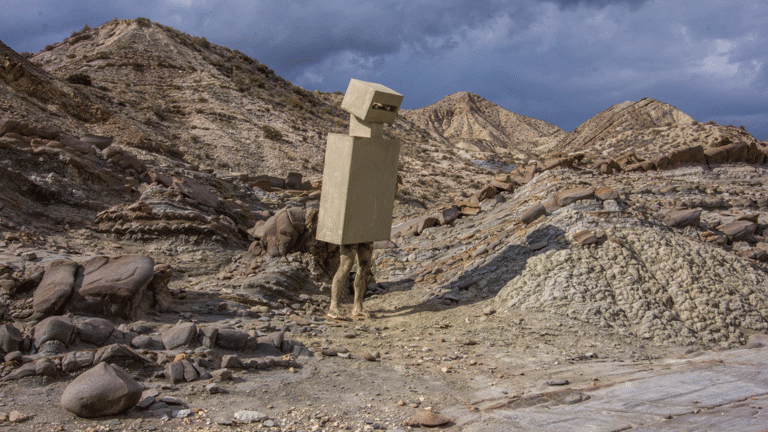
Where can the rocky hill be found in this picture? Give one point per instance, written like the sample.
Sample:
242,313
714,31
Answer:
183,99
158,206
473,124
647,128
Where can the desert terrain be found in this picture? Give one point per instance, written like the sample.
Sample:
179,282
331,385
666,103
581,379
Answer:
158,205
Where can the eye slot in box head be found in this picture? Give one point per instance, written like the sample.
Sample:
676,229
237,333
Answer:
378,106
371,102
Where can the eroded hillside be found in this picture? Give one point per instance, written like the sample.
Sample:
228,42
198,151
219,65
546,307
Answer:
158,205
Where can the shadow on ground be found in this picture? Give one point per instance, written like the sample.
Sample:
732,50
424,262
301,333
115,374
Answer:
487,279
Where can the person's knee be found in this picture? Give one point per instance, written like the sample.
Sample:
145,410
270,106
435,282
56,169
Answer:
345,265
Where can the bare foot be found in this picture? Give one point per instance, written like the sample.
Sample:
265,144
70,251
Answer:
359,313
335,314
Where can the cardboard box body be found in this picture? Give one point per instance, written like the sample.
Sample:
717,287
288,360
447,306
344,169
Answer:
359,186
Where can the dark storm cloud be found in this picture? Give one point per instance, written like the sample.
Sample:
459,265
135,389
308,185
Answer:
597,3
558,60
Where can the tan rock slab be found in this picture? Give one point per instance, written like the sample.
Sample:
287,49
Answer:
585,237
570,196
113,286
55,288
604,193
532,213
681,218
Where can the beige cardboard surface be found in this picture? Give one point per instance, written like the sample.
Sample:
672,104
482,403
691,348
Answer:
359,186
370,101
364,129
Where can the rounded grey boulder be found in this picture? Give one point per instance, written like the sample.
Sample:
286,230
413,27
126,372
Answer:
100,391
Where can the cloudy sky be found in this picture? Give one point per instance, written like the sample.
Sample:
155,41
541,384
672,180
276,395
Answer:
557,60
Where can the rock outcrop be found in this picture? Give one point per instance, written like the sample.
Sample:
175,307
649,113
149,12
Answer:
101,391
474,124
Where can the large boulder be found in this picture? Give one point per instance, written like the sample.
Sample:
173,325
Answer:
195,191
287,231
55,288
293,181
101,391
690,155
10,338
113,286
57,328
95,331
179,335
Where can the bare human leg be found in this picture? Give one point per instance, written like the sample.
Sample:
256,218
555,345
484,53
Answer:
364,262
346,258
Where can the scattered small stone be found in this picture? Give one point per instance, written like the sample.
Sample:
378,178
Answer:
558,382
213,389
17,417
428,419
231,361
329,352
222,374
370,357
223,420
146,402
585,237
29,256
250,416
170,400
184,413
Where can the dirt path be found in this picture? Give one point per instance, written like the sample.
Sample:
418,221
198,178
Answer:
461,360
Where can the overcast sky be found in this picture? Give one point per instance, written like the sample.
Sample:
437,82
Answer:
561,61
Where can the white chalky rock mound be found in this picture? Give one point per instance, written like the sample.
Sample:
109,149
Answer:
660,286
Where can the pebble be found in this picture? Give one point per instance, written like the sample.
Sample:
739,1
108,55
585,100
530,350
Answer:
250,416
17,417
184,413
170,400
223,420
146,402
213,388
428,419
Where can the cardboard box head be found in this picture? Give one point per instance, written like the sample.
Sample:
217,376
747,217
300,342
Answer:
371,102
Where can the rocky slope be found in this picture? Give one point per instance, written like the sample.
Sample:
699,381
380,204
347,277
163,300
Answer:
183,98
162,218
647,128
475,125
